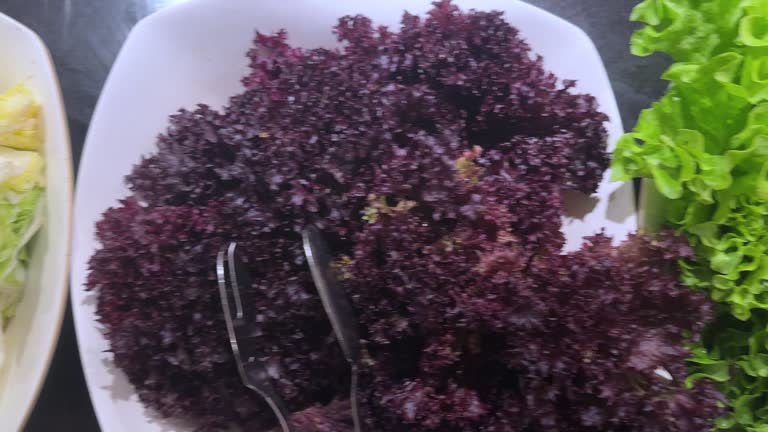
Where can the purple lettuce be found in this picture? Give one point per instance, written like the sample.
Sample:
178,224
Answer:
434,159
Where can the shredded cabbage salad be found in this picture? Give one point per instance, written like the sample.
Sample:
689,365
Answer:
705,146
21,190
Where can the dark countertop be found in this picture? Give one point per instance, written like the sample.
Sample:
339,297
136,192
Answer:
84,37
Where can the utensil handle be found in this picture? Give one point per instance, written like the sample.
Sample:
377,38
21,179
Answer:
259,381
281,414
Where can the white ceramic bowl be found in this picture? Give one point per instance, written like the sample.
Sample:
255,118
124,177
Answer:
195,52
31,336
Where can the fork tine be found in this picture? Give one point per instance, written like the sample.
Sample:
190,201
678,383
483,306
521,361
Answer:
224,279
236,276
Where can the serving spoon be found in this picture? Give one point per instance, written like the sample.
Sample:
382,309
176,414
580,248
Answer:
337,307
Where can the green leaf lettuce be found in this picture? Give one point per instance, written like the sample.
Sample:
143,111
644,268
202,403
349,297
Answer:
704,145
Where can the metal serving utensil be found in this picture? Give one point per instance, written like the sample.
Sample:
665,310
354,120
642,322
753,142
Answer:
337,307
233,275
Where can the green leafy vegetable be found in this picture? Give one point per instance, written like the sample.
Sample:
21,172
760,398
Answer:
21,190
705,146
20,218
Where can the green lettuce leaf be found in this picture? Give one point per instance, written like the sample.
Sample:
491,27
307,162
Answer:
687,30
20,218
704,146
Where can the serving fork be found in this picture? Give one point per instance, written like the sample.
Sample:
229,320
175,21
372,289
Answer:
234,281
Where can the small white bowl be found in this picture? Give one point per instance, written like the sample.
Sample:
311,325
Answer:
193,53
31,336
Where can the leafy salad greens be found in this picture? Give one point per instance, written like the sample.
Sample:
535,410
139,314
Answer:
21,190
705,146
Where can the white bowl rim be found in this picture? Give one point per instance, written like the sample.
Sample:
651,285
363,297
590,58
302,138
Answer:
86,158
58,102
